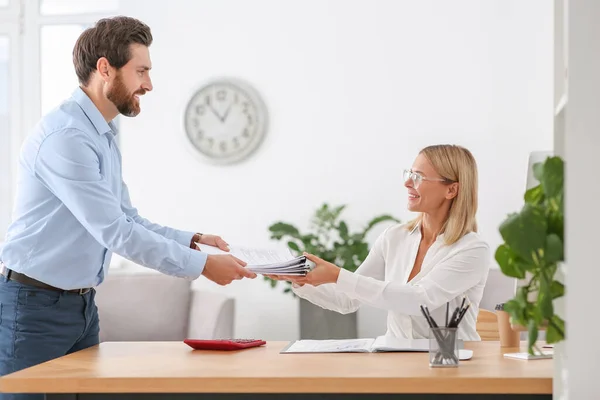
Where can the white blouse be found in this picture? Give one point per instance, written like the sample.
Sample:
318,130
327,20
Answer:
447,274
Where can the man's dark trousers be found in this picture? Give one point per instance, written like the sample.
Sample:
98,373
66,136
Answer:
37,325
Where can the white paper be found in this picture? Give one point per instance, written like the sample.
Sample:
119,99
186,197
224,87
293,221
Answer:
388,343
526,356
331,346
273,261
253,256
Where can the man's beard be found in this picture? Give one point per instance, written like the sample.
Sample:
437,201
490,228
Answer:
124,101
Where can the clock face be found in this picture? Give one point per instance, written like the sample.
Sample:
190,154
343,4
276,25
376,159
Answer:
225,121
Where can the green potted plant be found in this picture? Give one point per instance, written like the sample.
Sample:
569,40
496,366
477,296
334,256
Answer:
533,252
329,238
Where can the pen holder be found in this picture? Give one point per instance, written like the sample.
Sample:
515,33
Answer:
443,347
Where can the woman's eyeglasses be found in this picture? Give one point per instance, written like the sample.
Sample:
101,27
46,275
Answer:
418,178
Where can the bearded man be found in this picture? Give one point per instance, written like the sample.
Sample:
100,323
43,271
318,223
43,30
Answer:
73,211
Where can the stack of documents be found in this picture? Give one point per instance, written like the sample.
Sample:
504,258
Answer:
273,261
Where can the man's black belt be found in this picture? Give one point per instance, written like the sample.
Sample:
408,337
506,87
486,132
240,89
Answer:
24,279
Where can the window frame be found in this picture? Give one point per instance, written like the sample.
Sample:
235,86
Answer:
10,13
8,170
22,22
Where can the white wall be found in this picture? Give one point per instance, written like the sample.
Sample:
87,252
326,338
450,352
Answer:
354,89
582,142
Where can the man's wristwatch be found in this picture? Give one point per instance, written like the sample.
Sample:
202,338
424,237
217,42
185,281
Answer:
195,239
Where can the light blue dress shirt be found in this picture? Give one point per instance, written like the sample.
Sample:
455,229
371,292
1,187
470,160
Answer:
72,209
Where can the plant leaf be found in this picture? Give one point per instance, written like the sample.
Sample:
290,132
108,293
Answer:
556,329
535,195
506,259
280,229
516,310
533,334
308,241
534,312
338,210
554,249
556,222
544,299
343,230
553,177
525,232
357,237
557,289
538,171
294,246
361,251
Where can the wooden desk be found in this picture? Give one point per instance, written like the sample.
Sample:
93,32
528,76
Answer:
173,370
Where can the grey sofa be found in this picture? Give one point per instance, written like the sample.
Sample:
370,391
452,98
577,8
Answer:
135,305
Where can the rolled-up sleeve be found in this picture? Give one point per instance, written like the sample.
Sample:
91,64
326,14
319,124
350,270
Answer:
68,164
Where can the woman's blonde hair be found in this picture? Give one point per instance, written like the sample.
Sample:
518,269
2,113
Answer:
457,164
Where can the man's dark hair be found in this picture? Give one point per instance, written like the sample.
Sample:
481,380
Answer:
110,38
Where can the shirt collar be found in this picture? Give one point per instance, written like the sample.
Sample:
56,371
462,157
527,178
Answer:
417,228
92,112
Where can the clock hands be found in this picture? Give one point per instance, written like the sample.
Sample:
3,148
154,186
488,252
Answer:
226,113
221,118
214,111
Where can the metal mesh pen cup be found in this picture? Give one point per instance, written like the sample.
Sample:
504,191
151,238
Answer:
443,347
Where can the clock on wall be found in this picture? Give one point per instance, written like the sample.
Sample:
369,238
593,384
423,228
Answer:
225,120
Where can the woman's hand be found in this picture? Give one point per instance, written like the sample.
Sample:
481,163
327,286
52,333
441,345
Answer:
324,272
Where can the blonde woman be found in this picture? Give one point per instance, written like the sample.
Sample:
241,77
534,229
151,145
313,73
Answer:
434,259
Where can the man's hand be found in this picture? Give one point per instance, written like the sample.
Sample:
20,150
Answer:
223,269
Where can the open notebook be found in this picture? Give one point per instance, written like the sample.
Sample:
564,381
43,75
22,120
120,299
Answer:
379,344
273,261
